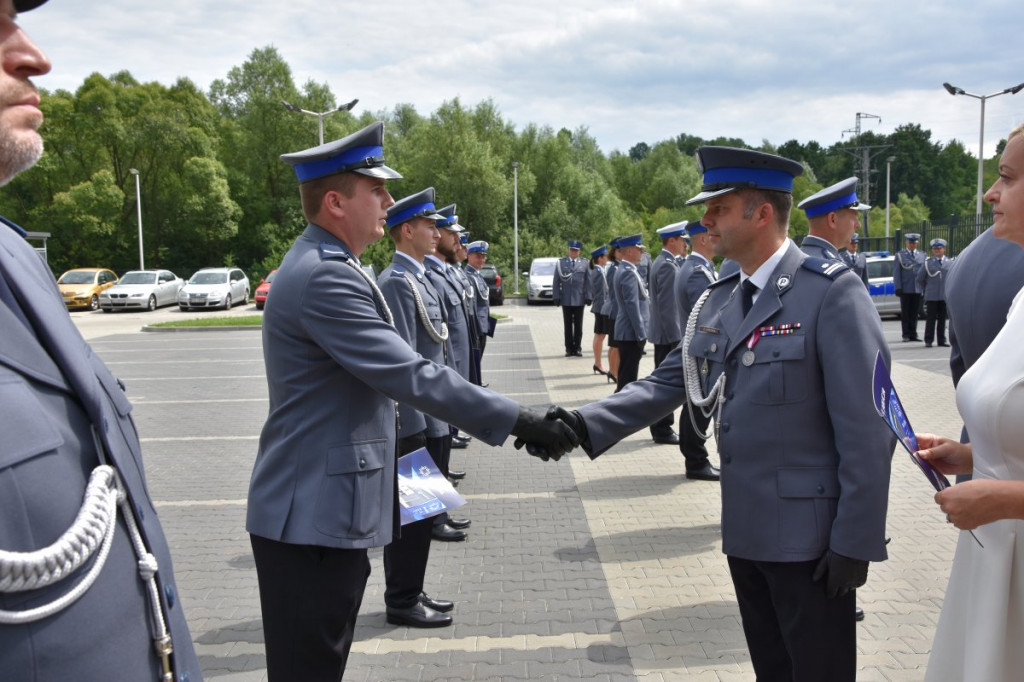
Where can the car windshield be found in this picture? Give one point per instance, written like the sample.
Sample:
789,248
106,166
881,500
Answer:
138,278
77,278
209,278
542,268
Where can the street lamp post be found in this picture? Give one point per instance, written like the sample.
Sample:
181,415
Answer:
319,114
515,221
953,90
138,205
888,169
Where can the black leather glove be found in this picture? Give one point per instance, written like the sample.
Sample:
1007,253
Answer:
573,419
843,573
544,436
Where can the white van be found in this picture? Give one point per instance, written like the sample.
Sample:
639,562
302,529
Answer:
540,279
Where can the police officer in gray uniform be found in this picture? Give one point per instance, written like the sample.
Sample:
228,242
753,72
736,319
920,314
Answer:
665,313
418,316
695,275
476,257
323,485
633,319
71,468
611,308
908,263
782,354
856,261
930,281
569,291
832,217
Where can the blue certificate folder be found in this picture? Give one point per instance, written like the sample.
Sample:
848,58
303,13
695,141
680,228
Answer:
423,491
889,408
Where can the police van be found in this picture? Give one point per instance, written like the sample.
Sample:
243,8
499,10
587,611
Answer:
880,284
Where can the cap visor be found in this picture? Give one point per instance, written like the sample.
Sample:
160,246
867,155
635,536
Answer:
861,207
382,172
434,216
704,196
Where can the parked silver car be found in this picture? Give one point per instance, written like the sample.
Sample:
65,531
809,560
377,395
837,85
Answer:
214,288
540,280
142,290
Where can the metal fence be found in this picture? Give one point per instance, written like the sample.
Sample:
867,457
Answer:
958,231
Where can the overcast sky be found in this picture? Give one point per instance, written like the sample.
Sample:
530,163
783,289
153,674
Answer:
628,71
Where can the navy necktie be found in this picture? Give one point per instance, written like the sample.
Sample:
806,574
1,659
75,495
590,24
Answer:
748,291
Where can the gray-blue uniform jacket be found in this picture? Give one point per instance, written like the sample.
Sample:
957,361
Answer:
458,277
930,278
904,271
857,262
695,275
569,285
55,394
611,306
598,289
805,459
980,286
325,470
453,295
816,247
396,282
481,300
633,320
664,312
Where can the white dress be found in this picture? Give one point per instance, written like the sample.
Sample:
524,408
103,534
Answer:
980,636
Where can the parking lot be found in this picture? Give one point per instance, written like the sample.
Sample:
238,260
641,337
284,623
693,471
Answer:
603,570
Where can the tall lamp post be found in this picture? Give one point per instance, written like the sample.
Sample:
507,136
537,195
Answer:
888,169
953,90
138,205
319,114
515,221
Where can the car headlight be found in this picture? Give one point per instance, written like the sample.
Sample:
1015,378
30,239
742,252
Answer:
136,295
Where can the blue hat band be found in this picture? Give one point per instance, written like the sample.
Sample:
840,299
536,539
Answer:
414,211
696,228
833,205
597,253
754,178
350,159
673,233
631,241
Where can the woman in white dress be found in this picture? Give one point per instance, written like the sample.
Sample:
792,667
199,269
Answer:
980,635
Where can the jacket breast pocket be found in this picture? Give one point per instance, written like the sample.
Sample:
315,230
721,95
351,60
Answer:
778,375
709,351
353,491
808,499
26,429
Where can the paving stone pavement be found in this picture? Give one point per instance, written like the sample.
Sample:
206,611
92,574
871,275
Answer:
599,570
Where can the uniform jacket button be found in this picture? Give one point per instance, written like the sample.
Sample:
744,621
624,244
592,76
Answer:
169,594
362,463
725,427
727,459
821,489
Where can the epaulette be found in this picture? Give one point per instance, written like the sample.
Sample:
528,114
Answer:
328,250
398,271
824,267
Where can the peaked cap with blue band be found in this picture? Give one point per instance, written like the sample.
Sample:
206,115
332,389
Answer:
673,230
419,205
448,221
599,251
632,240
695,228
464,238
575,244
361,152
478,247
727,169
912,237
936,243
841,195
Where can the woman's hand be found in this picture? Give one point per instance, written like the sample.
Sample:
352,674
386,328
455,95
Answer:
974,503
947,456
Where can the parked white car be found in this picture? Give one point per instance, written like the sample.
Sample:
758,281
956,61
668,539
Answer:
142,290
540,280
883,291
214,288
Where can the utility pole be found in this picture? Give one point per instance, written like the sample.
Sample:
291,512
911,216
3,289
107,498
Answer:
862,160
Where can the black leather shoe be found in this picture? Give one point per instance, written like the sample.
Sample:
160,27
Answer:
459,524
439,605
942,343
456,475
858,614
418,616
705,473
446,533
927,345
459,444
666,437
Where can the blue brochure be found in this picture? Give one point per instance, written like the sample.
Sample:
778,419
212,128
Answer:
423,491
889,408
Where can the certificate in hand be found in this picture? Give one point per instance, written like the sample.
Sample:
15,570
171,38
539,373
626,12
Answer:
423,491
889,408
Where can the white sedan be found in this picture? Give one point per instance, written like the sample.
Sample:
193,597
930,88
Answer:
142,290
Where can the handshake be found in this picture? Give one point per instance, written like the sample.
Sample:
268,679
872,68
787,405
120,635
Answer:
551,435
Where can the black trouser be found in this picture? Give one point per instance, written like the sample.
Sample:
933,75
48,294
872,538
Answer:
405,559
935,312
572,322
630,353
910,308
690,442
309,597
663,425
440,450
794,632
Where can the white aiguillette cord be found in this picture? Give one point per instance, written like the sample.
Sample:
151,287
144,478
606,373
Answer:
712,404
